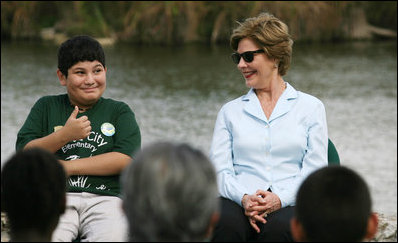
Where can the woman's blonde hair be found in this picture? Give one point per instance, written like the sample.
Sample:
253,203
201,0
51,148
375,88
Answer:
271,34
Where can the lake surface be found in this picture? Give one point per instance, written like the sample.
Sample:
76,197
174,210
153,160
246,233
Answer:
176,93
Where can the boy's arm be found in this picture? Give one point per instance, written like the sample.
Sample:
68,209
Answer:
111,163
74,129
51,142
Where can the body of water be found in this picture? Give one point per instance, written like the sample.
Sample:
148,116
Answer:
176,93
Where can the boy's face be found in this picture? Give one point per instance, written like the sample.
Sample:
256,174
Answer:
86,82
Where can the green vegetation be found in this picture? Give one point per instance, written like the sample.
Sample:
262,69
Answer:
178,22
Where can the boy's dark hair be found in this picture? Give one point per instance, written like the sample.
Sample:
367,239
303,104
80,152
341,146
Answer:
77,49
33,190
334,204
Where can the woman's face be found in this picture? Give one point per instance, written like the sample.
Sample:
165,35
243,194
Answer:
86,82
259,72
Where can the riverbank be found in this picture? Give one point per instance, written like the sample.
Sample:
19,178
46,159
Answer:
184,22
387,230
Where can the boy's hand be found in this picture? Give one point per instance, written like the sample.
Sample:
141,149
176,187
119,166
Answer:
77,128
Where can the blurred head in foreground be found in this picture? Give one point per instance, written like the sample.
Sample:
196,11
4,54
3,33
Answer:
33,192
170,194
334,204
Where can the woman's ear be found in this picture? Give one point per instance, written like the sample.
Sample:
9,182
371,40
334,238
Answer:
373,223
61,77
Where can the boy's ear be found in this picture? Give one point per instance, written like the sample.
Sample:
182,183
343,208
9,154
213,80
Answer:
373,223
297,230
61,77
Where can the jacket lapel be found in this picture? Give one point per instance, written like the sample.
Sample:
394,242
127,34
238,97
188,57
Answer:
284,104
252,105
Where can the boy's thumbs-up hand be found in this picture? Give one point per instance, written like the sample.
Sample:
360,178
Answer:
77,128
74,112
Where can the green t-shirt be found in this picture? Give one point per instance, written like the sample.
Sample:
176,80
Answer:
113,129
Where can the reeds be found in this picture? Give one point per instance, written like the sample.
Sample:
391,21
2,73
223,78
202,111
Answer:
176,22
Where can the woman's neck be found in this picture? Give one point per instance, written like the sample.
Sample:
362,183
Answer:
273,92
269,97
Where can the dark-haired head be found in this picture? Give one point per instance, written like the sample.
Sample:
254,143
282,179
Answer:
334,204
79,49
33,191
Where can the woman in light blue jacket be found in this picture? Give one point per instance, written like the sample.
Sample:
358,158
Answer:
267,141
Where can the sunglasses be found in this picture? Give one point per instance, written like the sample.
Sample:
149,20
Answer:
248,56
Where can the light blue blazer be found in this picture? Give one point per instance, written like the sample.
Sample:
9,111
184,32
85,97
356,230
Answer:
251,152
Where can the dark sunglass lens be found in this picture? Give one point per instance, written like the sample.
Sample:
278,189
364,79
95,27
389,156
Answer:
248,56
235,58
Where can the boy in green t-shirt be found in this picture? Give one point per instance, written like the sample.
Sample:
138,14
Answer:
93,138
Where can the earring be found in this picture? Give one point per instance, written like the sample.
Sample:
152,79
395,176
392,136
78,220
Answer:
275,65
